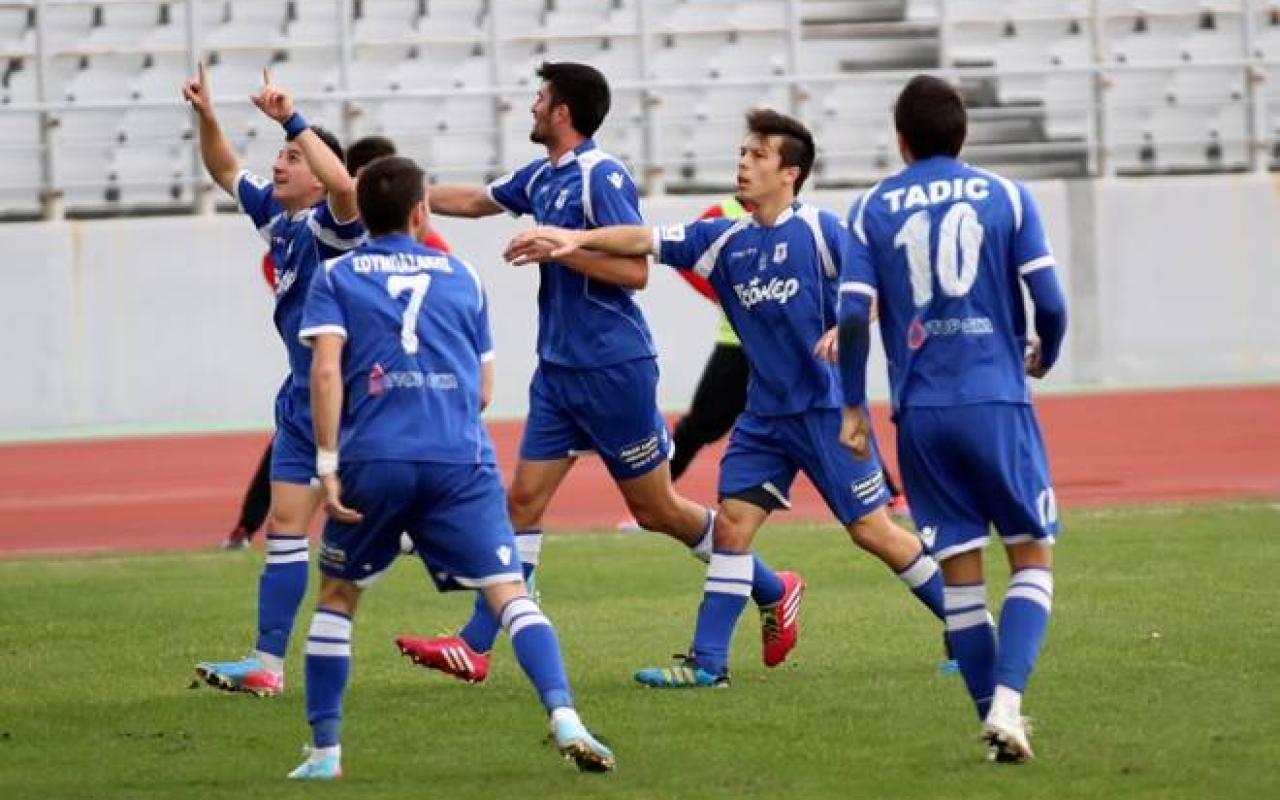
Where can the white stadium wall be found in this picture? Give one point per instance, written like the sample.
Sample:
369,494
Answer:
165,323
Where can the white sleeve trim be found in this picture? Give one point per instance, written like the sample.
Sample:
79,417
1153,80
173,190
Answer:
704,265
493,198
307,334
1034,264
858,287
330,238
334,214
859,221
486,356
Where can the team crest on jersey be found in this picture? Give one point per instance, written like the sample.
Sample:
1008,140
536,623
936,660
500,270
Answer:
616,179
561,198
779,252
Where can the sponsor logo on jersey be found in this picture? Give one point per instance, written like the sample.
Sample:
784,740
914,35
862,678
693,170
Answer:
916,335
755,291
285,280
616,179
673,233
504,555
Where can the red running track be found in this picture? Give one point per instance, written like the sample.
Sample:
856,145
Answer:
179,492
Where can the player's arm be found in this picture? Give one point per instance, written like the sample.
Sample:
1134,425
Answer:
1035,264
215,151
612,255
326,412
340,187
324,330
486,383
456,200
1050,320
857,296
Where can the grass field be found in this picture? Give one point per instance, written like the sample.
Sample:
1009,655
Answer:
1160,679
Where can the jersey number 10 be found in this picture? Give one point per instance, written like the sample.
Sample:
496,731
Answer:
959,246
417,286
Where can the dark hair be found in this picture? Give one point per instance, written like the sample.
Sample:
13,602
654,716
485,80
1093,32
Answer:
366,149
386,193
797,148
582,88
930,116
330,140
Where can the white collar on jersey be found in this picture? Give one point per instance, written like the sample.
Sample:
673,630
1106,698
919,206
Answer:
572,155
783,218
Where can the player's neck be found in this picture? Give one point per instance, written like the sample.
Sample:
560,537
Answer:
557,149
302,203
768,209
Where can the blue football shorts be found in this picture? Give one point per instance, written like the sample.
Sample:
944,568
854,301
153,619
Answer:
612,410
968,468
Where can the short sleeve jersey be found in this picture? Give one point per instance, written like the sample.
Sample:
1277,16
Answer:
416,324
942,247
778,287
582,323
298,244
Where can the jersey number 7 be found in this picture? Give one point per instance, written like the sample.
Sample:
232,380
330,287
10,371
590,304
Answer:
959,245
417,286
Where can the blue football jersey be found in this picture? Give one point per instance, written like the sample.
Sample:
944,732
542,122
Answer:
778,288
299,244
582,323
417,330
941,246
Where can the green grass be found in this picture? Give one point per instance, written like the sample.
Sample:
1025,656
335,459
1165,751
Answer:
1159,679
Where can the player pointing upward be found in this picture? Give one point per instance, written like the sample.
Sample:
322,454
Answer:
306,213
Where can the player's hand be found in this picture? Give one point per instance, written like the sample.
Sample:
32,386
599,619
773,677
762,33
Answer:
196,92
1032,360
272,100
333,502
828,347
855,432
540,244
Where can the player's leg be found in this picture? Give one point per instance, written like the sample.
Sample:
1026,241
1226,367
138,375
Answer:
254,506
755,476
466,541
1024,620
352,559
537,649
616,407
328,668
532,487
283,582
718,400
855,492
1025,513
970,635
547,449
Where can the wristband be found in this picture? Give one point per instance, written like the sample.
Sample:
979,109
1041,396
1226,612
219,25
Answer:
294,125
326,462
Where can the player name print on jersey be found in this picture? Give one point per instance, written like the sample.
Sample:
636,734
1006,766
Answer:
934,193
